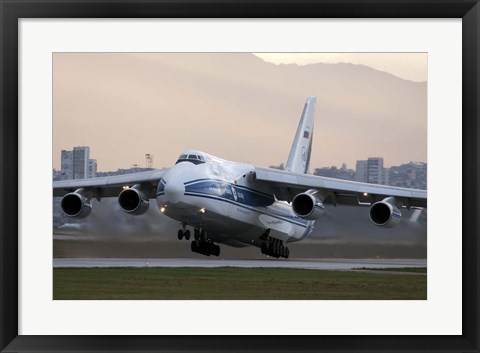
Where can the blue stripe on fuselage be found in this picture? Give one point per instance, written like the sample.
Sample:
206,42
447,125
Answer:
285,217
229,191
237,195
224,182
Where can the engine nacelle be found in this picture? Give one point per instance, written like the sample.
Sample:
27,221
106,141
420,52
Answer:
134,200
76,204
385,213
307,206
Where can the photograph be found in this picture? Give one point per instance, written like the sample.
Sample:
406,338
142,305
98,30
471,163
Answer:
239,176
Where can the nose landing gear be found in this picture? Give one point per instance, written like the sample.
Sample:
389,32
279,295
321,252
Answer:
183,233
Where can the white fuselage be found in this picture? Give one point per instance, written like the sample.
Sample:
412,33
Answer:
223,198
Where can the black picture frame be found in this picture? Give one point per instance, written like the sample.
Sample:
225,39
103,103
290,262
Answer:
12,10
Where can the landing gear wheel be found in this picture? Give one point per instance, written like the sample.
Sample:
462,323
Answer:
276,250
274,247
187,234
264,248
270,249
180,234
206,248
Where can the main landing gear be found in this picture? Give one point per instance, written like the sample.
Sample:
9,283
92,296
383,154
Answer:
202,244
274,247
205,247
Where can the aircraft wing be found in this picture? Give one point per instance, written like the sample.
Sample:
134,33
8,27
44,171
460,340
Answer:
110,186
286,185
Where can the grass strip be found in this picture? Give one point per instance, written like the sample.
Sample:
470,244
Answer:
161,283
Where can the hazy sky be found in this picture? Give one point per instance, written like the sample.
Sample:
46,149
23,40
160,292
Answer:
238,107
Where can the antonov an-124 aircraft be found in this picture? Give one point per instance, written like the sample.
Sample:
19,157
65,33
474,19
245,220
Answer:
237,204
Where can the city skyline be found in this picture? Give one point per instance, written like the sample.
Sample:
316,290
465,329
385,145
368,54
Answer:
143,163
77,164
371,170
231,106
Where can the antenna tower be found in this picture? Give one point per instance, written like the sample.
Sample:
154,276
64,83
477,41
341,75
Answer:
148,160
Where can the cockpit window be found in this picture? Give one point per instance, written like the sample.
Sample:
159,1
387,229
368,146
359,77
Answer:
193,158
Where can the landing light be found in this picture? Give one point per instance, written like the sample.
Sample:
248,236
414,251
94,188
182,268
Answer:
365,194
162,209
202,210
126,187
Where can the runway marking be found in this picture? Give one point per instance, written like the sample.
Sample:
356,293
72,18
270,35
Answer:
317,264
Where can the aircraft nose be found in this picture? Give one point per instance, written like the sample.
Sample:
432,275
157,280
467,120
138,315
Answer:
174,190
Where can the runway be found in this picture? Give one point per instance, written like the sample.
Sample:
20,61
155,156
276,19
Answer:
313,264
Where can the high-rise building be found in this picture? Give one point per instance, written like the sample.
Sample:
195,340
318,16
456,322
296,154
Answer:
371,171
92,168
66,167
77,164
81,155
375,170
361,171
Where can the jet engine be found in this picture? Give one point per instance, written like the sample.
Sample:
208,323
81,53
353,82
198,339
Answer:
307,206
385,213
134,200
76,204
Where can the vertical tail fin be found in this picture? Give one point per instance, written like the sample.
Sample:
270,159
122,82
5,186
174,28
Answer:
299,157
